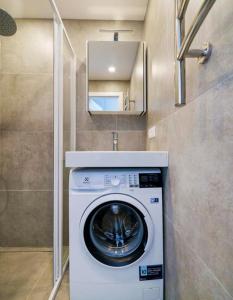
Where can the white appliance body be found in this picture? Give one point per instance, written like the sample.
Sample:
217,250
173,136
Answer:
116,234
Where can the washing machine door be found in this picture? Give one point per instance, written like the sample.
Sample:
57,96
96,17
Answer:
117,230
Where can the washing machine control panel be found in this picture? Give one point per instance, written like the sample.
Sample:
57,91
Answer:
118,179
133,180
124,180
111,180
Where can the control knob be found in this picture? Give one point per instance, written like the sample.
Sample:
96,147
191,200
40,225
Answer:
115,181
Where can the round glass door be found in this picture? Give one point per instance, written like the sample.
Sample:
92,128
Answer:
116,233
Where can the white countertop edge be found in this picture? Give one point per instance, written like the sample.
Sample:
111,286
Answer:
80,159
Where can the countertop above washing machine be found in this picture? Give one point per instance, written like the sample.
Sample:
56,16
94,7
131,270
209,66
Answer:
112,159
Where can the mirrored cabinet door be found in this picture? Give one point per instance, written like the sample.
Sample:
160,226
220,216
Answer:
116,77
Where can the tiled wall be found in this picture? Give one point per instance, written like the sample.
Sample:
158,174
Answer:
199,138
95,132
26,135
26,125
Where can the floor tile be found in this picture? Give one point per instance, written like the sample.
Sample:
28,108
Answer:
25,275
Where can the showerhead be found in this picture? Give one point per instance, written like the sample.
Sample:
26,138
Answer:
7,24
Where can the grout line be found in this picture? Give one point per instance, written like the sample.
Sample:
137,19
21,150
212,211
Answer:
20,74
176,111
25,249
26,190
201,260
214,84
110,131
27,131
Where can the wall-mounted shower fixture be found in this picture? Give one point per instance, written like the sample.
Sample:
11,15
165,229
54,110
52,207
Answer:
116,32
8,26
183,44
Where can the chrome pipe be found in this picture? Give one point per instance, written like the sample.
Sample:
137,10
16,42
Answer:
180,64
182,9
199,19
180,83
203,54
193,53
115,141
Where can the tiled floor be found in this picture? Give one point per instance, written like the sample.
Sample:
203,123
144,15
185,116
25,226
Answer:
27,275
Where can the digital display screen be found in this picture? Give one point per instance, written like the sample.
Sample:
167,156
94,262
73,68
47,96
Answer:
150,180
144,179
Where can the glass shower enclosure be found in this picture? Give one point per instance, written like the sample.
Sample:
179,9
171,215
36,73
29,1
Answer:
37,126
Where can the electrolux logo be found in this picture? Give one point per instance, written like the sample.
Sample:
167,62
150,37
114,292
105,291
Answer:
86,180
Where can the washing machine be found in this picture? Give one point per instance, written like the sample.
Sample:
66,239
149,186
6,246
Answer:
116,234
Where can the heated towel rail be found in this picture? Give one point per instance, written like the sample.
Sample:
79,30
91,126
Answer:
184,41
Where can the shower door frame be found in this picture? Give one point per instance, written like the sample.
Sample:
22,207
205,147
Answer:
59,32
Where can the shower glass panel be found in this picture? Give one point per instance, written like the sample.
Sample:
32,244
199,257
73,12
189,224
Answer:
67,139
69,130
26,156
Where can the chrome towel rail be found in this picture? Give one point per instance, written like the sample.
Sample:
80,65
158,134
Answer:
183,44
182,8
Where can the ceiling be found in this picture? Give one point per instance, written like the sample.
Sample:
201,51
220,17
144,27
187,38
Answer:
121,55
27,8
78,9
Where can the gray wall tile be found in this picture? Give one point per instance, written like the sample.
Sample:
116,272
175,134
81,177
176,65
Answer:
26,219
26,115
30,50
26,102
199,138
187,275
102,140
27,160
26,135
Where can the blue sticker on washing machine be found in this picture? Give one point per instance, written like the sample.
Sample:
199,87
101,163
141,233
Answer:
152,272
143,271
154,200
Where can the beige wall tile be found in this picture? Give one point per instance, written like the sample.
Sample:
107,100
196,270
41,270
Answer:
128,123
26,107
27,219
30,50
27,160
102,140
94,140
187,275
205,163
1,54
26,102
26,135
198,184
132,140
96,122
202,77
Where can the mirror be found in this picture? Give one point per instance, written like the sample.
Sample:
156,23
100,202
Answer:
116,77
